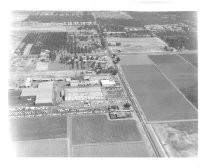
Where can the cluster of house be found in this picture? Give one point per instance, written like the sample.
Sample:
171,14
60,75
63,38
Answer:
168,27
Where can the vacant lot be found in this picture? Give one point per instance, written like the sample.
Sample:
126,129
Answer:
134,59
38,128
14,100
54,66
132,149
179,139
98,129
16,38
42,148
160,101
42,66
192,58
181,73
134,45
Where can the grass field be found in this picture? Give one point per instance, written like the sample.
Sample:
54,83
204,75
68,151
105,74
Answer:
180,139
166,59
38,128
181,73
54,66
192,58
135,59
16,38
130,149
98,129
160,101
138,45
42,148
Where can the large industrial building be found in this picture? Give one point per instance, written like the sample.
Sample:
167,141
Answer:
43,94
87,93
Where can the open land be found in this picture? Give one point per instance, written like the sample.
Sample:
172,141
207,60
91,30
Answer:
38,128
128,149
181,73
135,59
179,139
160,101
42,148
192,58
98,129
133,45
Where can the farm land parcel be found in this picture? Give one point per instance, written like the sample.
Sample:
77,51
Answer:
180,139
42,148
128,149
98,129
38,128
181,73
135,59
97,136
138,45
160,101
192,58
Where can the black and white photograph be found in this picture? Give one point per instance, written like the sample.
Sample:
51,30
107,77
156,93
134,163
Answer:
104,82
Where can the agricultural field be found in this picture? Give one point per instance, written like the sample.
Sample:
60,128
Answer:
55,66
128,149
98,129
138,45
147,18
180,139
134,59
160,101
180,41
13,99
191,58
42,148
113,24
181,73
38,128
16,38
45,40
41,66
57,17
111,14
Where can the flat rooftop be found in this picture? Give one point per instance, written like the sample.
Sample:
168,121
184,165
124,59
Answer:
43,93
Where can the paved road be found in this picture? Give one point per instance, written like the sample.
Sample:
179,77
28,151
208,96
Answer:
157,148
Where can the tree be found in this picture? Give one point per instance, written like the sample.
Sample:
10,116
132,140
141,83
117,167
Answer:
127,105
118,44
114,72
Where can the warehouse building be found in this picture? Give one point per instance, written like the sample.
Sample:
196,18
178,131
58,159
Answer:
89,93
107,83
43,94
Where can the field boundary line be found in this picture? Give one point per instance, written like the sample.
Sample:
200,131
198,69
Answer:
172,121
41,139
186,61
109,143
174,86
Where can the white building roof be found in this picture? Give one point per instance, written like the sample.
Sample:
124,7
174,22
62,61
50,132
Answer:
44,92
107,82
28,82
